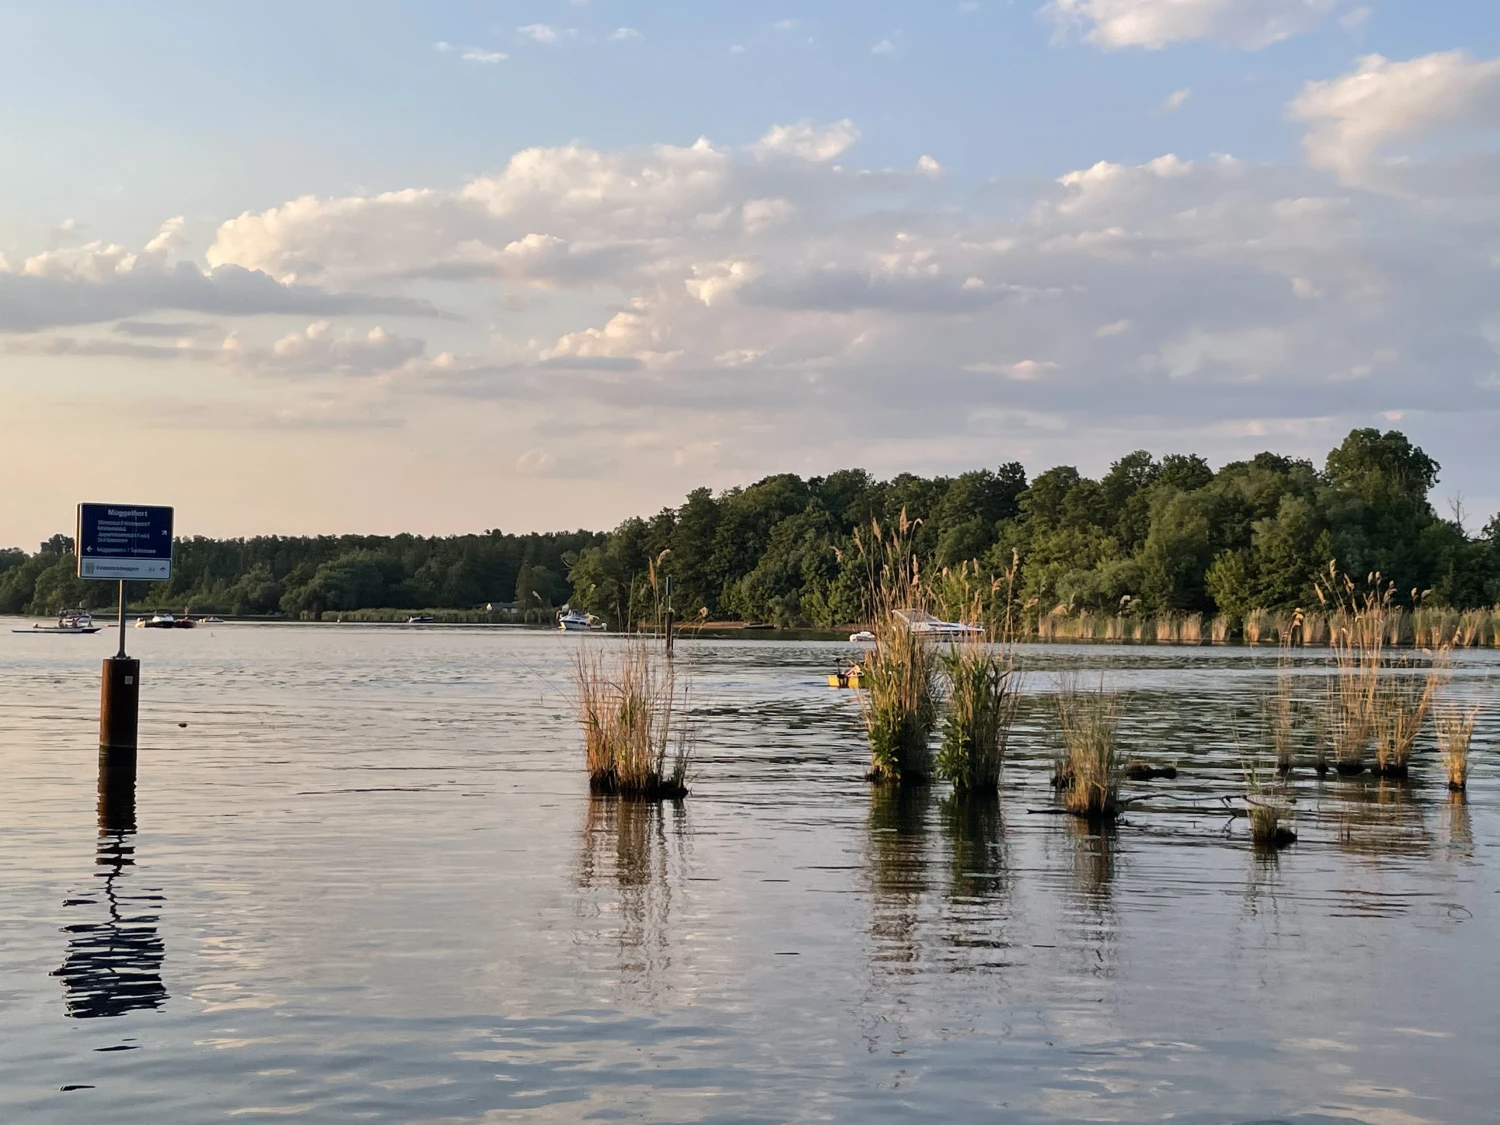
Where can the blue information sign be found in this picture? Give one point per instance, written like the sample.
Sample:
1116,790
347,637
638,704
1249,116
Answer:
124,541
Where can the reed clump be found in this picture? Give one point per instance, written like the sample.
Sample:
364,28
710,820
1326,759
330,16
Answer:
1282,708
983,695
1269,813
636,738
1401,702
1358,626
1089,770
1455,730
901,704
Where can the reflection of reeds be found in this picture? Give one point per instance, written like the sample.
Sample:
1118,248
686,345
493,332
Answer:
901,706
625,844
627,708
1090,768
1381,820
983,692
1455,730
972,823
1093,857
898,868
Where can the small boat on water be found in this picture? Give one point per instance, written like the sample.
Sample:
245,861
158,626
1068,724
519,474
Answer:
852,676
210,621
68,621
924,624
164,621
863,637
419,619
576,621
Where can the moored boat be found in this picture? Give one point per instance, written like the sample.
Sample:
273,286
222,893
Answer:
923,623
158,621
576,621
70,621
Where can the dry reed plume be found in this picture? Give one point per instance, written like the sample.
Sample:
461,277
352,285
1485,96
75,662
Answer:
1089,771
1455,729
1358,626
635,734
1402,700
901,706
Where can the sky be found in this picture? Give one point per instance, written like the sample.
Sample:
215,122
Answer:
365,266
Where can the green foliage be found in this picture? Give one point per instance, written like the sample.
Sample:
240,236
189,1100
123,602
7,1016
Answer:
1149,537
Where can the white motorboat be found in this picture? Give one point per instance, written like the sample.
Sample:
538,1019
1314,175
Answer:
68,621
576,621
922,622
863,637
157,621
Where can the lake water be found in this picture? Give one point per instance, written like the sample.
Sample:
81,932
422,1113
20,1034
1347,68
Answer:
366,882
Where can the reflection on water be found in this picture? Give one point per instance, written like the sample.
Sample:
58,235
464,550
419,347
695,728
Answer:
113,961
1380,820
976,837
1460,828
897,866
629,846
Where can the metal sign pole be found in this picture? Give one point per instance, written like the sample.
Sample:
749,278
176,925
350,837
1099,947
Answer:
121,654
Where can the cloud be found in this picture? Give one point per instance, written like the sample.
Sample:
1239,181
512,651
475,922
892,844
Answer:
784,25
545,33
476,54
739,293
52,296
621,33
1154,24
927,166
884,47
1175,100
806,141
1354,117
535,463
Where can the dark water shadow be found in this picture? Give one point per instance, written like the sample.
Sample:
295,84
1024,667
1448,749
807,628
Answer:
114,958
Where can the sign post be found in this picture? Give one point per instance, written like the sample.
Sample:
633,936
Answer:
120,543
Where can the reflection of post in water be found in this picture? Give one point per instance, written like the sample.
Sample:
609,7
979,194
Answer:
1383,819
625,842
114,956
898,867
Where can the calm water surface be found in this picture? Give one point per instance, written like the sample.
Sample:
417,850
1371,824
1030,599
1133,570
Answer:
365,882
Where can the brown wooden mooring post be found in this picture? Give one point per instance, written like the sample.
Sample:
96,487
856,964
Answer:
119,708
670,617
119,704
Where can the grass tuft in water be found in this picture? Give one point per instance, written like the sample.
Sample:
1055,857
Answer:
1089,771
900,706
1455,730
983,694
635,735
1270,814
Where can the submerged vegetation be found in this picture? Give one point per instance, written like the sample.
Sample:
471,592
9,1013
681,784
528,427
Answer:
635,734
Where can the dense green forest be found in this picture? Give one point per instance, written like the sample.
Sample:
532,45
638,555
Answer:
1150,536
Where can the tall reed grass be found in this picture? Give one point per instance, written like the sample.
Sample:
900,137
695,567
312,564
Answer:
983,694
1401,702
637,741
900,707
1091,762
1455,730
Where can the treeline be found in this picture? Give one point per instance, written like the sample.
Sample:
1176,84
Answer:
306,577
1150,537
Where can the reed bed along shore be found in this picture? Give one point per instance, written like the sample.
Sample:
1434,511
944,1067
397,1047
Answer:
1404,628
636,736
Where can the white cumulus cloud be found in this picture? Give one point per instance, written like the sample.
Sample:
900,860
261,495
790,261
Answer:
808,142
1154,24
